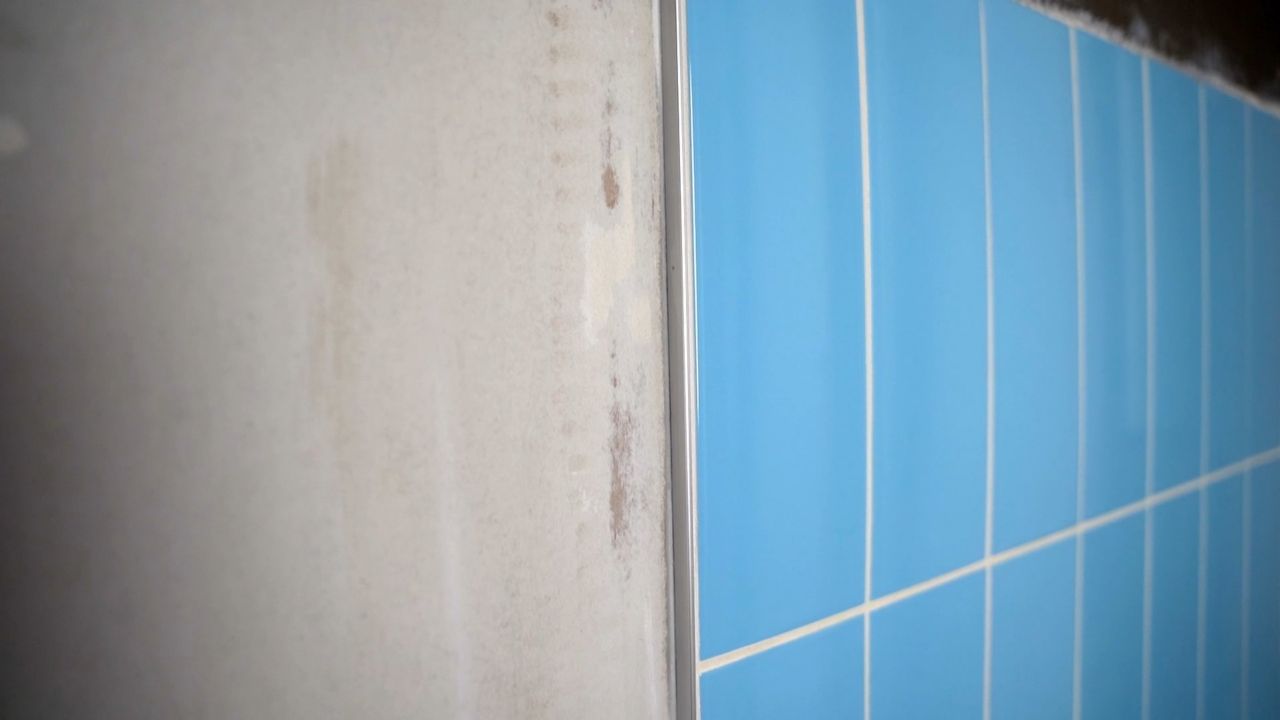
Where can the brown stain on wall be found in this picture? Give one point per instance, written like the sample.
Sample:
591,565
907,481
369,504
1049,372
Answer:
609,184
609,175
622,429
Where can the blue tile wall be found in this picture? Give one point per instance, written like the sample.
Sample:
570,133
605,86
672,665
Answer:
1223,661
926,655
1228,263
780,334
1264,280
1264,592
1033,635
929,287
1074,389
1034,247
1176,184
819,677
1111,684
1115,274
1175,608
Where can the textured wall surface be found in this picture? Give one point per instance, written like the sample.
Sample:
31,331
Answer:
331,371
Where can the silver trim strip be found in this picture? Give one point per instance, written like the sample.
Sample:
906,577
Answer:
682,363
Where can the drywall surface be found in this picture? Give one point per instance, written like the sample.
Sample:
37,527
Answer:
331,373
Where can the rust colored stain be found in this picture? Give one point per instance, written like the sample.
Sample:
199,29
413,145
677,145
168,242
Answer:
609,184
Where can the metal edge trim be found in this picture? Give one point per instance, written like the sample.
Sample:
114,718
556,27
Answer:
677,159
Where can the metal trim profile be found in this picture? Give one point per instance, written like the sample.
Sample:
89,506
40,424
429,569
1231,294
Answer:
682,363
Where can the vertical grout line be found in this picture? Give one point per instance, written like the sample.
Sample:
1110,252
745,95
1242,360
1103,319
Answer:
1148,530
989,540
869,350
1246,532
1247,520
1202,559
1078,632
1202,550
1205,281
1202,602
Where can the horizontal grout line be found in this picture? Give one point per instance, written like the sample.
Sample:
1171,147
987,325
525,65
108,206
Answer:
866,608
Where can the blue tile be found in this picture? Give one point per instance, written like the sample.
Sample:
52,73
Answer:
1175,164
1264,308
1264,594
1223,601
819,677
1032,635
1228,303
926,654
1175,608
1115,274
1112,632
780,331
924,82
1034,249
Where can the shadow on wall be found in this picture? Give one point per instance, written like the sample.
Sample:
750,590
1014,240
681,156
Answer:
1238,40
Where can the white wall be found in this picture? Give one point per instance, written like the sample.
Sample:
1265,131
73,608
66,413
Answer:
331,359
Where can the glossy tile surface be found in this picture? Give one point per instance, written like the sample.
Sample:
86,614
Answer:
1034,243
1223,680
926,655
817,677
1264,281
1175,164
1112,638
1264,589
1228,299
1102,234
1174,608
1033,635
780,332
924,86
1111,139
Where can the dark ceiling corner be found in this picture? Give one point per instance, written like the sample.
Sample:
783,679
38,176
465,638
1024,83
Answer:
1238,40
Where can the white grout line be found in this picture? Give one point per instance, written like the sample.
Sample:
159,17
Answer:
989,533
1202,602
1202,559
1148,532
1078,632
1075,531
1205,279
1246,532
869,354
1246,524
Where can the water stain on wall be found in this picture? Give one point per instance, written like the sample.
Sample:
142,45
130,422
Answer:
621,431
609,175
333,189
